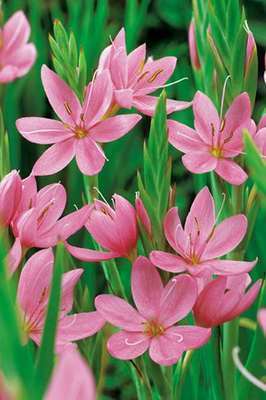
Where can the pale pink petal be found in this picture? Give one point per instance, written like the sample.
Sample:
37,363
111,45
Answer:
14,256
62,99
238,114
262,122
154,74
73,222
42,130
262,319
56,158
119,313
8,73
147,104
167,261
207,121
27,227
171,222
90,255
69,281
113,128
226,236
163,351
230,171
184,138
35,280
98,98
199,162
79,326
229,267
10,197
146,287
177,299
142,215
16,31
260,140
201,217
124,98
22,58
189,337
89,156
119,68
120,39
127,345
72,379
135,61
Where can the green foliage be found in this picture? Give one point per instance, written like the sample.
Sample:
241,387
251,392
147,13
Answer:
256,165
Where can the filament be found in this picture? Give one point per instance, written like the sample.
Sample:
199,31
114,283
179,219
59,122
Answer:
223,95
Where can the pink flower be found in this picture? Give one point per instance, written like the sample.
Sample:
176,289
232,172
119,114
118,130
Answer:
114,229
82,127
152,325
33,296
37,222
193,51
16,55
134,78
201,242
262,319
10,195
142,215
214,142
223,299
72,379
259,135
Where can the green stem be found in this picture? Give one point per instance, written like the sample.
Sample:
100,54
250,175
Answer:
231,330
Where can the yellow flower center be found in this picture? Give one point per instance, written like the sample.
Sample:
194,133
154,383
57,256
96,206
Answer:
216,152
153,328
80,133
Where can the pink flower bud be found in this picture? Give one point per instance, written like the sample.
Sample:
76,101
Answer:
142,215
10,195
251,47
193,51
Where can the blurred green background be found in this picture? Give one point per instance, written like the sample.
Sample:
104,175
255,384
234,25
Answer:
163,25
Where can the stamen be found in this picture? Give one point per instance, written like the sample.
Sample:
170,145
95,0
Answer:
101,195
128,343
251,378
223,95
186,78
154,75
67,108
142,75
221,208
170,289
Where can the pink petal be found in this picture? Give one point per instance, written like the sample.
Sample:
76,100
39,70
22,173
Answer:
79,326
262,319
207,121
69,281
154,74
199,162
89,156
119,68
184,138
35,280
260,140
127,345
98,98
72,379
50,204
229,267
177,299
124,97
262,122
135,60
248,298
73,222
16,31
14,256
230,171
119,313
193,51
146,287
238,113
201,217
10,197
22,58
55,158
226,236
27,227
113,128
147,104
90,255
42,130
163,351
142,215
167,261
8,73
171,222
193,336
62,99
120,39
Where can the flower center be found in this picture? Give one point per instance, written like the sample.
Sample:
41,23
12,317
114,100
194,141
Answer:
80,133
194,260
153,328
216,152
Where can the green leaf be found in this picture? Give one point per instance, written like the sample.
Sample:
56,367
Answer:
256,165
45,357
